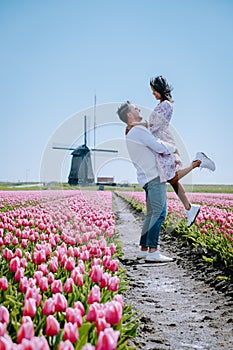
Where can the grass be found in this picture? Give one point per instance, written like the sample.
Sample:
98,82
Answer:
4,186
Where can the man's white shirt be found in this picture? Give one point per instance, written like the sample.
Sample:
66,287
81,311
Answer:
141,145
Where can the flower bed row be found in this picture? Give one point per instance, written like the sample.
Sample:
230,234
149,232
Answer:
213,228
61,283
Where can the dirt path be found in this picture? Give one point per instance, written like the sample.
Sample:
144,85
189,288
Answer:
179,311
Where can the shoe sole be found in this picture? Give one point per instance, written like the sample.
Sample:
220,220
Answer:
159,261
195,217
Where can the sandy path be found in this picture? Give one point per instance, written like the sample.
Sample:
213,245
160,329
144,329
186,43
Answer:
179,311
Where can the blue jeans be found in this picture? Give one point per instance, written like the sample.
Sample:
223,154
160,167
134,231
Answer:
155,212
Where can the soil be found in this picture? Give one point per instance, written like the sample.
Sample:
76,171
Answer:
182,305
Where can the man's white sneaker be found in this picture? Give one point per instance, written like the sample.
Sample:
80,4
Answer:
206,162
157,257
142,254
192,213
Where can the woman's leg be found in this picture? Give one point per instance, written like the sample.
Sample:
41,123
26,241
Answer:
182,172
179,190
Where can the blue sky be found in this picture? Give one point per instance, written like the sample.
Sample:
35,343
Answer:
57,54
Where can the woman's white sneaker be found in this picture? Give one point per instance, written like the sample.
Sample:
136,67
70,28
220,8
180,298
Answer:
157,257
206,162
192,213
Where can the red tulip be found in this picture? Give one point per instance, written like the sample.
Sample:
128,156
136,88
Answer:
70,332
101,324
94,311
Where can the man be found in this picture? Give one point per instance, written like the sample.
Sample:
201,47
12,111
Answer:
141,146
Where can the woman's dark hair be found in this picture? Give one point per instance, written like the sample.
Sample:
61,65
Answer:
123,110
161,85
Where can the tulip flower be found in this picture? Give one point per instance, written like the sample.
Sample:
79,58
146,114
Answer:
29,307
107,340
113,312
60,302
69,264
4,314
74,316
68,286
113,283
96,273
3,284
94,311
65,345
79,305
70,332
43,284
88,347
56,286
26,331
94,295
2,329
101,324
48,307
52,326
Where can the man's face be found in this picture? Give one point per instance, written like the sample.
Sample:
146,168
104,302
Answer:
134,113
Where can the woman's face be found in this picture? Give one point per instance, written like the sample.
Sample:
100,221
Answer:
156,94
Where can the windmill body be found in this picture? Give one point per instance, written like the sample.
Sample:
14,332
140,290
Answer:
81,171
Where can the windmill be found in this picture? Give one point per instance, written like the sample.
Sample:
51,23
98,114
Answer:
81,171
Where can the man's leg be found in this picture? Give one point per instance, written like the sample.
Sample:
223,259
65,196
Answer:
156,202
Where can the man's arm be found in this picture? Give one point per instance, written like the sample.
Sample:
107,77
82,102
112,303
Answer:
143,135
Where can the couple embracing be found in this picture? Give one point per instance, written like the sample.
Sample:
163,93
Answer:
154,154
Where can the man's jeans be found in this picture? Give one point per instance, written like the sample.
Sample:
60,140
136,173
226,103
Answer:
155,212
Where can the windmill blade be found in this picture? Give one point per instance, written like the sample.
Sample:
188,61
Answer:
104,150
66,148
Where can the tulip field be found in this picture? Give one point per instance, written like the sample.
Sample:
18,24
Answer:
213,228
61,283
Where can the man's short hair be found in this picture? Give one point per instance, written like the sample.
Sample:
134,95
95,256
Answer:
123,110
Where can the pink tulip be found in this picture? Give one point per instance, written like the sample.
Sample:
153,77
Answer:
29,307
4,315
43,284
107,340
19,274
96,273
119,298
78,305
60,302
56,286
52,326
74,316
50,278
34,293
23,285
101,324
69,264
65,345
77,277
26,331
2,329
3,284
53,264
113,283
113,265
94,312
88,347
48,307
113,312
8,254
70,332
5,343
104,280
37,276
94,295
68,286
